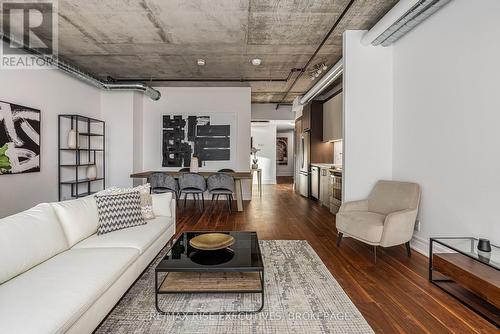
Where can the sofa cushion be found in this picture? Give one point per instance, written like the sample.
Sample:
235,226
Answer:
138,237
118,211
364,225
50,297
29,238
162,204
78,218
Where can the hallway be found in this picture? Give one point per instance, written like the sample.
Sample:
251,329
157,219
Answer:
394,294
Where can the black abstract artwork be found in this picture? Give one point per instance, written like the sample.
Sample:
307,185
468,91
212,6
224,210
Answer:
187,136
19,139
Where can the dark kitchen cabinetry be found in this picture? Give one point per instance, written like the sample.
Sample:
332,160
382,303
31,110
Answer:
321,152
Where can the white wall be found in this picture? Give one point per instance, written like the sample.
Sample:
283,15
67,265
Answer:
121,140
367,115
286,170
53,93
268,111
446,119
264,138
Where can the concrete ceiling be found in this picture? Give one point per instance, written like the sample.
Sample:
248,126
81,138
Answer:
161,40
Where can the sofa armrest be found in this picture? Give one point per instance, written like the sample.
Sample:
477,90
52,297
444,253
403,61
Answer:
398,227
354,206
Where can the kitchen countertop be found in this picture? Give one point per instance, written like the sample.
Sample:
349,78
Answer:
322,165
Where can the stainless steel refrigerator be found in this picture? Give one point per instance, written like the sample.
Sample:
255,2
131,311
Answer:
304,157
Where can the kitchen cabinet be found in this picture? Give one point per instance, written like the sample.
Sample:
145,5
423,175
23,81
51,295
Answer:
332,119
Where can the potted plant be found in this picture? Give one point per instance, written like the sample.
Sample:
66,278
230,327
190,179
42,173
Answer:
255,160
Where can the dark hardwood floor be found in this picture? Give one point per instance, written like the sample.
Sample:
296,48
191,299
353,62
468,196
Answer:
393,295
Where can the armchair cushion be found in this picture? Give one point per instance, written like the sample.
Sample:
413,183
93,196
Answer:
355,206
363,225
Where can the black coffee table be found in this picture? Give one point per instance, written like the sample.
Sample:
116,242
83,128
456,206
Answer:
238,270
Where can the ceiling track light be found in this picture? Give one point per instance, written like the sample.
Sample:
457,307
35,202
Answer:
256,61
316,70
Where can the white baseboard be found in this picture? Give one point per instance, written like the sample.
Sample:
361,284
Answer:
421,245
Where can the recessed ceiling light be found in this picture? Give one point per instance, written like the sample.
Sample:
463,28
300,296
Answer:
200,62
256,61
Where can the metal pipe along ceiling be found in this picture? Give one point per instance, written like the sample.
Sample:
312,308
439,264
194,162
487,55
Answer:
85,77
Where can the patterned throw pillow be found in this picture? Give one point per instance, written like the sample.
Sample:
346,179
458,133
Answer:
118,211
146,201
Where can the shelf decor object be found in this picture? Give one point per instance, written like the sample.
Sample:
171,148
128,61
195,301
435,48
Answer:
85,148
92,172
72,139
461,269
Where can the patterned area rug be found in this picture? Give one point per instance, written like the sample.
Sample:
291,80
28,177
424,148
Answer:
301,296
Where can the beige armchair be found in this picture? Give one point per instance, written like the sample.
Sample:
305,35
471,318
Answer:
386,218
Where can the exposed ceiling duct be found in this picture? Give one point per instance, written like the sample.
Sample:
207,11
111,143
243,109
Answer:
85,77
402,18
324,82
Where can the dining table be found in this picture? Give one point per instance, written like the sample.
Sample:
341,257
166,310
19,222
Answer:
237,176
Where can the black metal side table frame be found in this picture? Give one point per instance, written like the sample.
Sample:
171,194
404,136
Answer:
445,280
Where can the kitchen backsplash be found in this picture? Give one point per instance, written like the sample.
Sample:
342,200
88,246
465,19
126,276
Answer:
337,153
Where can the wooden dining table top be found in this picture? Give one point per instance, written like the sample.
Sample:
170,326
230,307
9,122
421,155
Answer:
205,174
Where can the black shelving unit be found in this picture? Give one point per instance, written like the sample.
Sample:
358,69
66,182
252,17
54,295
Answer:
89,127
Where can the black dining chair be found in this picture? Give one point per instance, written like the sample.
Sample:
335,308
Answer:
194,184
221,184
163,183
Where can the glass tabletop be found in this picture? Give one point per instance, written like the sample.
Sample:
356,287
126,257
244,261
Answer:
243,255
468,247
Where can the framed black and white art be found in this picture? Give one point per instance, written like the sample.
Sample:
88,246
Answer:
19,139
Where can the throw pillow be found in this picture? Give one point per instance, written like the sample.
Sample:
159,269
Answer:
118,211
146,201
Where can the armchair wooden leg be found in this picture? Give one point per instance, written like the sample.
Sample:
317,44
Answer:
375,253
408,249
339,238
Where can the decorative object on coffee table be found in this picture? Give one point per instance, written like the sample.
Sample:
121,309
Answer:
465,274
212,241
241,273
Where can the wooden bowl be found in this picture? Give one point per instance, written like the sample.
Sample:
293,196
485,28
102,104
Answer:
211,241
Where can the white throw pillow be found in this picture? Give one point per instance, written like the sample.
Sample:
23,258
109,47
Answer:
162,204
78,218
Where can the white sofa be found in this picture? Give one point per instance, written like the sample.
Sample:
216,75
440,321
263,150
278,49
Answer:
57,275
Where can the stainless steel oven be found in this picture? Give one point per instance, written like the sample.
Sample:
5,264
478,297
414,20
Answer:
335,190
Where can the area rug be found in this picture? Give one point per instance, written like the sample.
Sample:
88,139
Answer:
301,296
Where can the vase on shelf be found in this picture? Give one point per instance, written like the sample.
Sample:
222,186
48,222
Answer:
92,172
73,139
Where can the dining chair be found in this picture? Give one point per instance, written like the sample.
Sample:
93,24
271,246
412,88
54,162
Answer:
194,184
225,170
221,184
163,183
184,169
